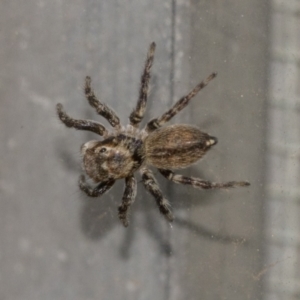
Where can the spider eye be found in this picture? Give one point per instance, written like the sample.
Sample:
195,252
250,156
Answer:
102,150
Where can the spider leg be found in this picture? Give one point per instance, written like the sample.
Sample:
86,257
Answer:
80,124
152,186
137,115
97,191
128,199
179,105
101,108
199,183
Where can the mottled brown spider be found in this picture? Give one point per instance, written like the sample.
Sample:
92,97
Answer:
129,149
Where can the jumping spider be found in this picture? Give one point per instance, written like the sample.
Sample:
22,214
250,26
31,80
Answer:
128,149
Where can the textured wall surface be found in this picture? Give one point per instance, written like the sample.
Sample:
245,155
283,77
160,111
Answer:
58,244
282,232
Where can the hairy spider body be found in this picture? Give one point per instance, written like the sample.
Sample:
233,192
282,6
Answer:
118,156
128,149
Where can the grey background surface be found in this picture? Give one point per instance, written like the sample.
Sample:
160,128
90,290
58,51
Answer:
58,244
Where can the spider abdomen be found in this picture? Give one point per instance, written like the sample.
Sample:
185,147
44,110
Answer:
177,146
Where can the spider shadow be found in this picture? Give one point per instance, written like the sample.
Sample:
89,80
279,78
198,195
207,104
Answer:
153,223
99,216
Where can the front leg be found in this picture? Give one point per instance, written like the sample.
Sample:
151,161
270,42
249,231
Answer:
101,108
97,191
152,186
199,183
80,124
128,199
137,115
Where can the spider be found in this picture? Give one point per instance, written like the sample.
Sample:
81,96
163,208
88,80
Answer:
129,149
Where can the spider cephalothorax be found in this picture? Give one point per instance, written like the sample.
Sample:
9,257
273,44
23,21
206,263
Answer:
128,149
113,158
